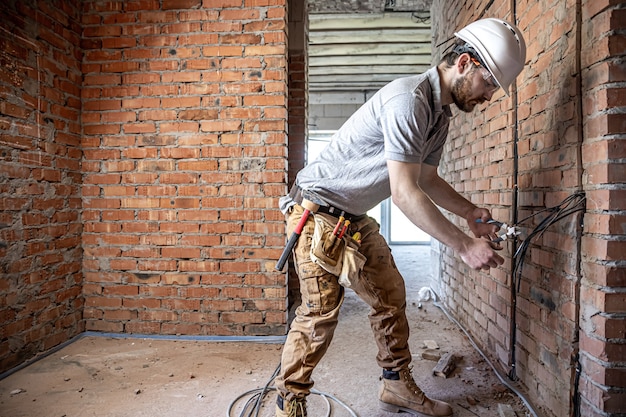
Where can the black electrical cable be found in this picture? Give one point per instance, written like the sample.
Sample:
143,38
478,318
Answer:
576,393
570,205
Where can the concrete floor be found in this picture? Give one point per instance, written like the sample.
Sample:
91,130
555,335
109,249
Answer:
115,377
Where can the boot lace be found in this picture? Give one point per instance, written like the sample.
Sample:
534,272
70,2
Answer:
297,407
406,374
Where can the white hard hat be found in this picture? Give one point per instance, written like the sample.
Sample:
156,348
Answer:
500,47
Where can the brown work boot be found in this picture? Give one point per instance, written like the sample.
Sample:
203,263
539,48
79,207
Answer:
399,392
296,407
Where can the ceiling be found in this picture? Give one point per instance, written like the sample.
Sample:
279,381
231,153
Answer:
367,6
362,45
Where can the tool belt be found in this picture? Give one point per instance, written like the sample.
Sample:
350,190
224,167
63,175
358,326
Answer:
296,195
332,248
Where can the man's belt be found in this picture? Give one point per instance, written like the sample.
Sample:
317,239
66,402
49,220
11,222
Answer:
296,195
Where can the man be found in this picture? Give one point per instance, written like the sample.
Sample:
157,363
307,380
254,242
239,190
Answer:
391,147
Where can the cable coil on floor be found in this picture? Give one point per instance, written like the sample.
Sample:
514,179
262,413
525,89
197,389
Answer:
254,403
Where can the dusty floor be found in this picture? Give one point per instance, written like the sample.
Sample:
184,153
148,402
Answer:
98,376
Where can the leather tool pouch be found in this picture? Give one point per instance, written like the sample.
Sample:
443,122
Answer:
352,264
340,257
326,249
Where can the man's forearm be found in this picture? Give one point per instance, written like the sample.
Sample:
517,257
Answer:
447,197
422,212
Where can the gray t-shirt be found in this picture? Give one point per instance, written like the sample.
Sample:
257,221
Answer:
404,121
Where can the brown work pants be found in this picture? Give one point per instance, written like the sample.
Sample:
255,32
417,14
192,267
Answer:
380,285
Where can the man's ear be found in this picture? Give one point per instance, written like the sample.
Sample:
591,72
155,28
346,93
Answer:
463,63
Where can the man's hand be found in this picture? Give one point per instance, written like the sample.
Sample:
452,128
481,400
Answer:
419,206
480,254
481,229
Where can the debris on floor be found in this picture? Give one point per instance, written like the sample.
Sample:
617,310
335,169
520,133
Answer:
431,355
446,365
431,344
505,410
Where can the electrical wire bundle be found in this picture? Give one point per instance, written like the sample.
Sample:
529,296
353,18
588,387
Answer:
254,403
570,205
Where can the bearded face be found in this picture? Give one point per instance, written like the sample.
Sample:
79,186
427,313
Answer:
462,92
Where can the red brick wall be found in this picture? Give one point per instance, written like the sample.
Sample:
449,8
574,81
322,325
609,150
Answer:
40,228
549,170
603,295
184,137
297,123
565,122
153,135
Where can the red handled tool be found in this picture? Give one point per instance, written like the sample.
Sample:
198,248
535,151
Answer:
309,207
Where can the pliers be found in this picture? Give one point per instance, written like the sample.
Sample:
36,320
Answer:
504,230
